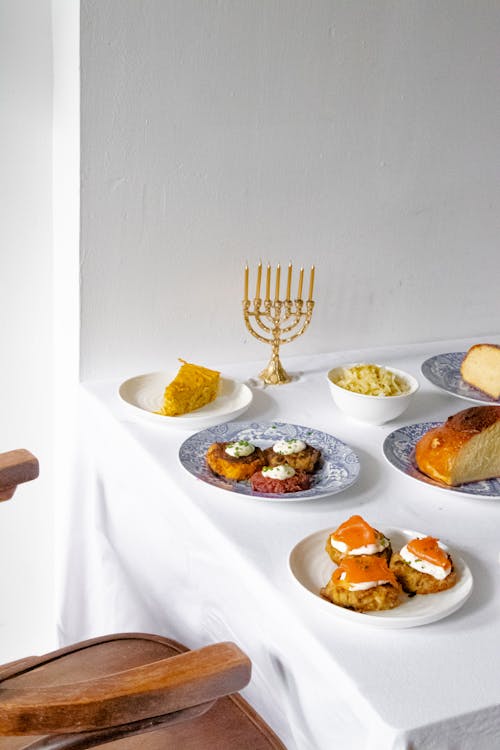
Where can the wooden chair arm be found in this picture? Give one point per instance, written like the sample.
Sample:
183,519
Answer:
150,690
16,467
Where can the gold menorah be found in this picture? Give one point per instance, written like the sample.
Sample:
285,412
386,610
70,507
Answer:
277,321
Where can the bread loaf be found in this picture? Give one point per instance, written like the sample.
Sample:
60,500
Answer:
481,368
466,448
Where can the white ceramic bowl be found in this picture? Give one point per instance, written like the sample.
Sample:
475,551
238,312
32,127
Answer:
371,409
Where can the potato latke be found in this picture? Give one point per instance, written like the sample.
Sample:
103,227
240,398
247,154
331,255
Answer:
238,468
415,582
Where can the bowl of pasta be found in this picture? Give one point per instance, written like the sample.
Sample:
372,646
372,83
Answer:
371,393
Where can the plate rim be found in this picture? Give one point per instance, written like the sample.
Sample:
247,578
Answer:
268,497
423,479
191,417
451,392
388,619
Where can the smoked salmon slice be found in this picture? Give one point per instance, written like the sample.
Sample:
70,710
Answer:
429,550
363,569
355,533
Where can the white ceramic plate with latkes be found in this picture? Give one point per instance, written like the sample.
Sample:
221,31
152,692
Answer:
338,465
443,371
312,568
143,396
399,450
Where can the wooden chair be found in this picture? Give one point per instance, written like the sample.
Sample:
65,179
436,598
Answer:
126,691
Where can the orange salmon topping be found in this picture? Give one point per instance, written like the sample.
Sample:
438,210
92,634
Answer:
364,569
355,532
428,549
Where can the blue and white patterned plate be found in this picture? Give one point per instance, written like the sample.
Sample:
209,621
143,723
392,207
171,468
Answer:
443,371
399,450
339,465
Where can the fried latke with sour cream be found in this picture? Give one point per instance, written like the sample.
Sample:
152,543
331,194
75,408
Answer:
356,533
375,599
238,468
304,460
415,582
364,584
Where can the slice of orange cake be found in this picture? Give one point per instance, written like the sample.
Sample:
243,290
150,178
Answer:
193,387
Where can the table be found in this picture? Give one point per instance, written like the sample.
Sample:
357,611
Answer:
149,548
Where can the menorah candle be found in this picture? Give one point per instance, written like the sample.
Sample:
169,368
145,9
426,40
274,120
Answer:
289,281
246,283
259,277
277,290
268,281
311,285
301,281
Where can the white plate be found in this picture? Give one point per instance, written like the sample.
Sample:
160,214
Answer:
143,395
443,371
399,450
339,465
312,568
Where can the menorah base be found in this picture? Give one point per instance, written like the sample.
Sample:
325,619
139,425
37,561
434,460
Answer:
275,373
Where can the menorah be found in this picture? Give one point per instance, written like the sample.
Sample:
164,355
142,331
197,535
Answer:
277,321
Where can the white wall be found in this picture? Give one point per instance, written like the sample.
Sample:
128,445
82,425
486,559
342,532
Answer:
26,371
358,135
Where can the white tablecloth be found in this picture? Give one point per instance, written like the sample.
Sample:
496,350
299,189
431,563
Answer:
148,547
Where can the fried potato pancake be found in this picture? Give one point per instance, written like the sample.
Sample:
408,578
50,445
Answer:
415,582
305,460
375,599
238,468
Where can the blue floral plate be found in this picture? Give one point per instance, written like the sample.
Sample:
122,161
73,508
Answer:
338,469
399,450
443,371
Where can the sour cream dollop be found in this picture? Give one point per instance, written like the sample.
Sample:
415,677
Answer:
283,471
363,586
239,448
367,549
287,447
423,566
